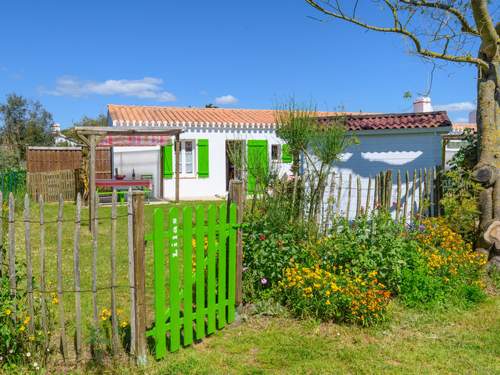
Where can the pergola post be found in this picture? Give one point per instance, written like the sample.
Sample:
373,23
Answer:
92,189
177,165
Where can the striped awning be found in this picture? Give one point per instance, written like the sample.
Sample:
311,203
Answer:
135,140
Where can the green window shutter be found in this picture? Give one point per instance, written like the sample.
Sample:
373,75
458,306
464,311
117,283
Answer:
286,156
203,158
257,161
168,170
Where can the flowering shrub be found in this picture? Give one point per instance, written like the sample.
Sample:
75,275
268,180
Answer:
334,294
369,243
19,346
444,269
349,274
266,253
446,251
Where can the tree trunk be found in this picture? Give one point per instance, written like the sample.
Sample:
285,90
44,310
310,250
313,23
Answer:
487,170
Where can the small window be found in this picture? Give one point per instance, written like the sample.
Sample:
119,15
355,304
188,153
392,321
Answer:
186,158
275,152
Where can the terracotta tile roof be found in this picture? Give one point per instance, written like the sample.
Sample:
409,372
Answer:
126,115
396,121
149,115
459,127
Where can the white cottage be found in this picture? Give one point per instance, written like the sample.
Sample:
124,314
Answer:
402,141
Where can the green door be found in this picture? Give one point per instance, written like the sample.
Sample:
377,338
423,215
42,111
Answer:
257,161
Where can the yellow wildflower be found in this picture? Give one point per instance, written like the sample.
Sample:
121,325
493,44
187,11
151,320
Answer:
7,312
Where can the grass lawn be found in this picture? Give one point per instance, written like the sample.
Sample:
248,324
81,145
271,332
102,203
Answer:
456,342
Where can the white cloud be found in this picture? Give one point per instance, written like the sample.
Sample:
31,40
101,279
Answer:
226,99
146,88
455,107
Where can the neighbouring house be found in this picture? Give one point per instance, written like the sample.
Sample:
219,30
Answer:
399,141
59,138
455,139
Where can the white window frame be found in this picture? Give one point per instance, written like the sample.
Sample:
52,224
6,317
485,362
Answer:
182,158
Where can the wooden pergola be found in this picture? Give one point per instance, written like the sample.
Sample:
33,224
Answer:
93,136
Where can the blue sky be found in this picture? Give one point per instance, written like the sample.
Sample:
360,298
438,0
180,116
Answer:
76,57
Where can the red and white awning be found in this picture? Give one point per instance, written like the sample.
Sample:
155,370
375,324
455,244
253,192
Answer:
135,140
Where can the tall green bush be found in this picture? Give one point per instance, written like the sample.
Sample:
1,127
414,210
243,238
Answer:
461,192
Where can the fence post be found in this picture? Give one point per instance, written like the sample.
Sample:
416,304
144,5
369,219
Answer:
237,195
139,277
77,183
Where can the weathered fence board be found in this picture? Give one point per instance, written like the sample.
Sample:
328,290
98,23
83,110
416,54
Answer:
405,203
76,271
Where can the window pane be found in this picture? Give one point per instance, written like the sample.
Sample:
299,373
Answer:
180,158
189,157
274,152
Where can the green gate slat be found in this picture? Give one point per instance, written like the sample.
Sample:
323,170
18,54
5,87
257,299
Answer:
200,272
221,293
212,212
160,330
232,264
187,222
175,334
213,280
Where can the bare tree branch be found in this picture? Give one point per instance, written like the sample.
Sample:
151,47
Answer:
399,29
466,26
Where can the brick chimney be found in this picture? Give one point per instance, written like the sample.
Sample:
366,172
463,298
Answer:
422,104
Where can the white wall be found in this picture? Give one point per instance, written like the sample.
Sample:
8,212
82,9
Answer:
379,151
215,185
141,160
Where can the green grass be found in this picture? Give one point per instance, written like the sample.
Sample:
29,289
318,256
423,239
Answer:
411,342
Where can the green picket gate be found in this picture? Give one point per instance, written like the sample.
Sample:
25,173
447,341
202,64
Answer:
201,295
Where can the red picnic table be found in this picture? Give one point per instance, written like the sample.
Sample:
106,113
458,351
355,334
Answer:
125,183
122,185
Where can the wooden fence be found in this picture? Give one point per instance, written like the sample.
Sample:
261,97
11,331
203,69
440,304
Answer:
86,291
50,159
55,291
405,195
52,185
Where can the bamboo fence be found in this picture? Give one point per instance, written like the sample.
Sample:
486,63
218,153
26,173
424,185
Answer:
52,185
